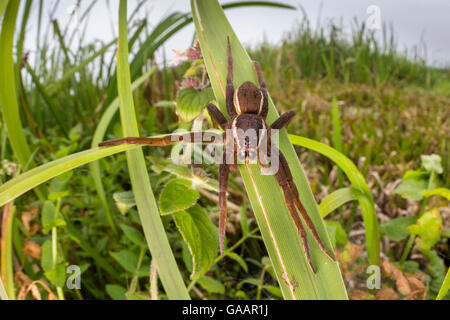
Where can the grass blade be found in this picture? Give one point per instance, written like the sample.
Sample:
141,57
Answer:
278,231
356,178
7,269
98,137
445,286
338,199
148,211
8,94
26,181
3,294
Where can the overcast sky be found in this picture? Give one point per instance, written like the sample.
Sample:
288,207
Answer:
415,22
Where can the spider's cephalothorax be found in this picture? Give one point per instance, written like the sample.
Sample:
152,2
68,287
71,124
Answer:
244,134
248,98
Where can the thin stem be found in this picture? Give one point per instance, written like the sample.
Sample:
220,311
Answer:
231,249
411,238
59,290
134,281
261,282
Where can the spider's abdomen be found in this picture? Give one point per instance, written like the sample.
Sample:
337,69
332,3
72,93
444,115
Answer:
247,131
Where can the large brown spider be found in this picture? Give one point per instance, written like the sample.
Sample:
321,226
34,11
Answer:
247,109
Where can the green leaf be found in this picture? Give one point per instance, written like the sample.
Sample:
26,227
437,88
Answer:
275,291
411,189
177,195
416,174
134,235
116,292
8,93
338,199
190,102
201,236
32,178
185,173
136,296
238,259
432,163
129,261
428,228
211,285
340,236
99,134
445,286
443,192
46,256
57,276
124,201
396,229
49,220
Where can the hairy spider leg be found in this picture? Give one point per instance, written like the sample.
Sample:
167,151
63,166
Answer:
230,88
289,181
283,120
163,141
224,171
282,177
218,116
263,88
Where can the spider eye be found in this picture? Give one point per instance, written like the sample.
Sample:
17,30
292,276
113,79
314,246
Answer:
241,155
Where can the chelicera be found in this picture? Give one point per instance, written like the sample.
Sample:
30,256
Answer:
247,109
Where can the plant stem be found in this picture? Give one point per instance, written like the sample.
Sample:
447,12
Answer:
7,272
411,238
59,290
231,249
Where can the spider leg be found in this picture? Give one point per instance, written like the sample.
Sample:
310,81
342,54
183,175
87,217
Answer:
282,178
283,120
230,88
224,171
218,116
296,198
162,141
263,88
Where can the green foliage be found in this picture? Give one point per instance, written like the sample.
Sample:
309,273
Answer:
176,196
337,233
428,228
191,102
211,285
397,229
201,236
50,219
445,286
129,260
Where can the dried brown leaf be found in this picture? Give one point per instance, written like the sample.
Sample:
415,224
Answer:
32,249
387,294
28,216
358,294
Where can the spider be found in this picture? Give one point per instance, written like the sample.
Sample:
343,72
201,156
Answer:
247,109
